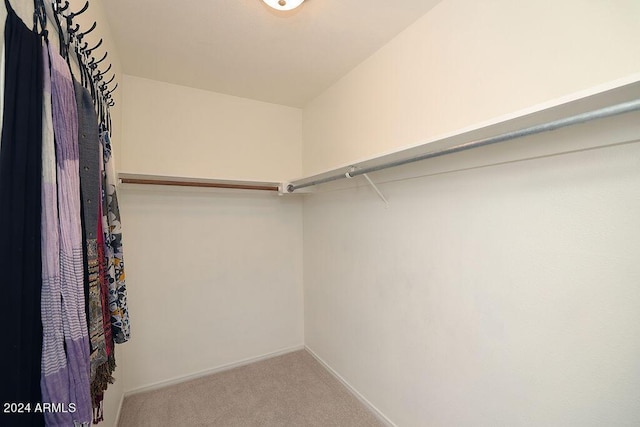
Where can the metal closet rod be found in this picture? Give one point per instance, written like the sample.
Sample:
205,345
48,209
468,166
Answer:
613,110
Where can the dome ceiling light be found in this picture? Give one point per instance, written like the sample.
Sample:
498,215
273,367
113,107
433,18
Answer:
283,4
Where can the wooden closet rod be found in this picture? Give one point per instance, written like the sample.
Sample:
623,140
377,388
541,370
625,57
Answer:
198,184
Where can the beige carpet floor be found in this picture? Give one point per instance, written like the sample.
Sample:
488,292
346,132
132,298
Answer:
289,390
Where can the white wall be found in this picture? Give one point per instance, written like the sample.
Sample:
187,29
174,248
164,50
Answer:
493,291
176,130
486,294
466,62
213,278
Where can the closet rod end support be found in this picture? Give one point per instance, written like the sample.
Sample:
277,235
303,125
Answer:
285,188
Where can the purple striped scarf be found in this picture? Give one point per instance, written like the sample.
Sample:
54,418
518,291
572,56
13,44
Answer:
55,374
65,125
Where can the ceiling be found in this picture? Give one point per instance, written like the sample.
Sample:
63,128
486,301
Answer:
244,48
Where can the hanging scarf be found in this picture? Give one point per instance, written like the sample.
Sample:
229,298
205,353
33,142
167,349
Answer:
20,216
55,373
65,125
105,370
113,247
90,177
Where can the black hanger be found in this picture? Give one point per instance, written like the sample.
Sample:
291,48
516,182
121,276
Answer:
71,30
91,77
84,72
80,36
40,17
110,80
109,92
88,51
57,12
93,63
99,75
63,8
80,12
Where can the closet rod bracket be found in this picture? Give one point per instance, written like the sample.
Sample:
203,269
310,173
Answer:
377,190
286,188
349,174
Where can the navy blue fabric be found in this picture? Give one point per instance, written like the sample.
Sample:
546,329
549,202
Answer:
20,207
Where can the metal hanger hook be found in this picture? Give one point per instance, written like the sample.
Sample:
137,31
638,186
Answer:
80,12
88,51
84,33
110,80
63,8
94,62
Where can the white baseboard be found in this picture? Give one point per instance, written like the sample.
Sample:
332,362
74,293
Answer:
376,412
203,373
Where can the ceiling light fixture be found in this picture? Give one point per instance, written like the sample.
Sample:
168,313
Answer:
283,4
